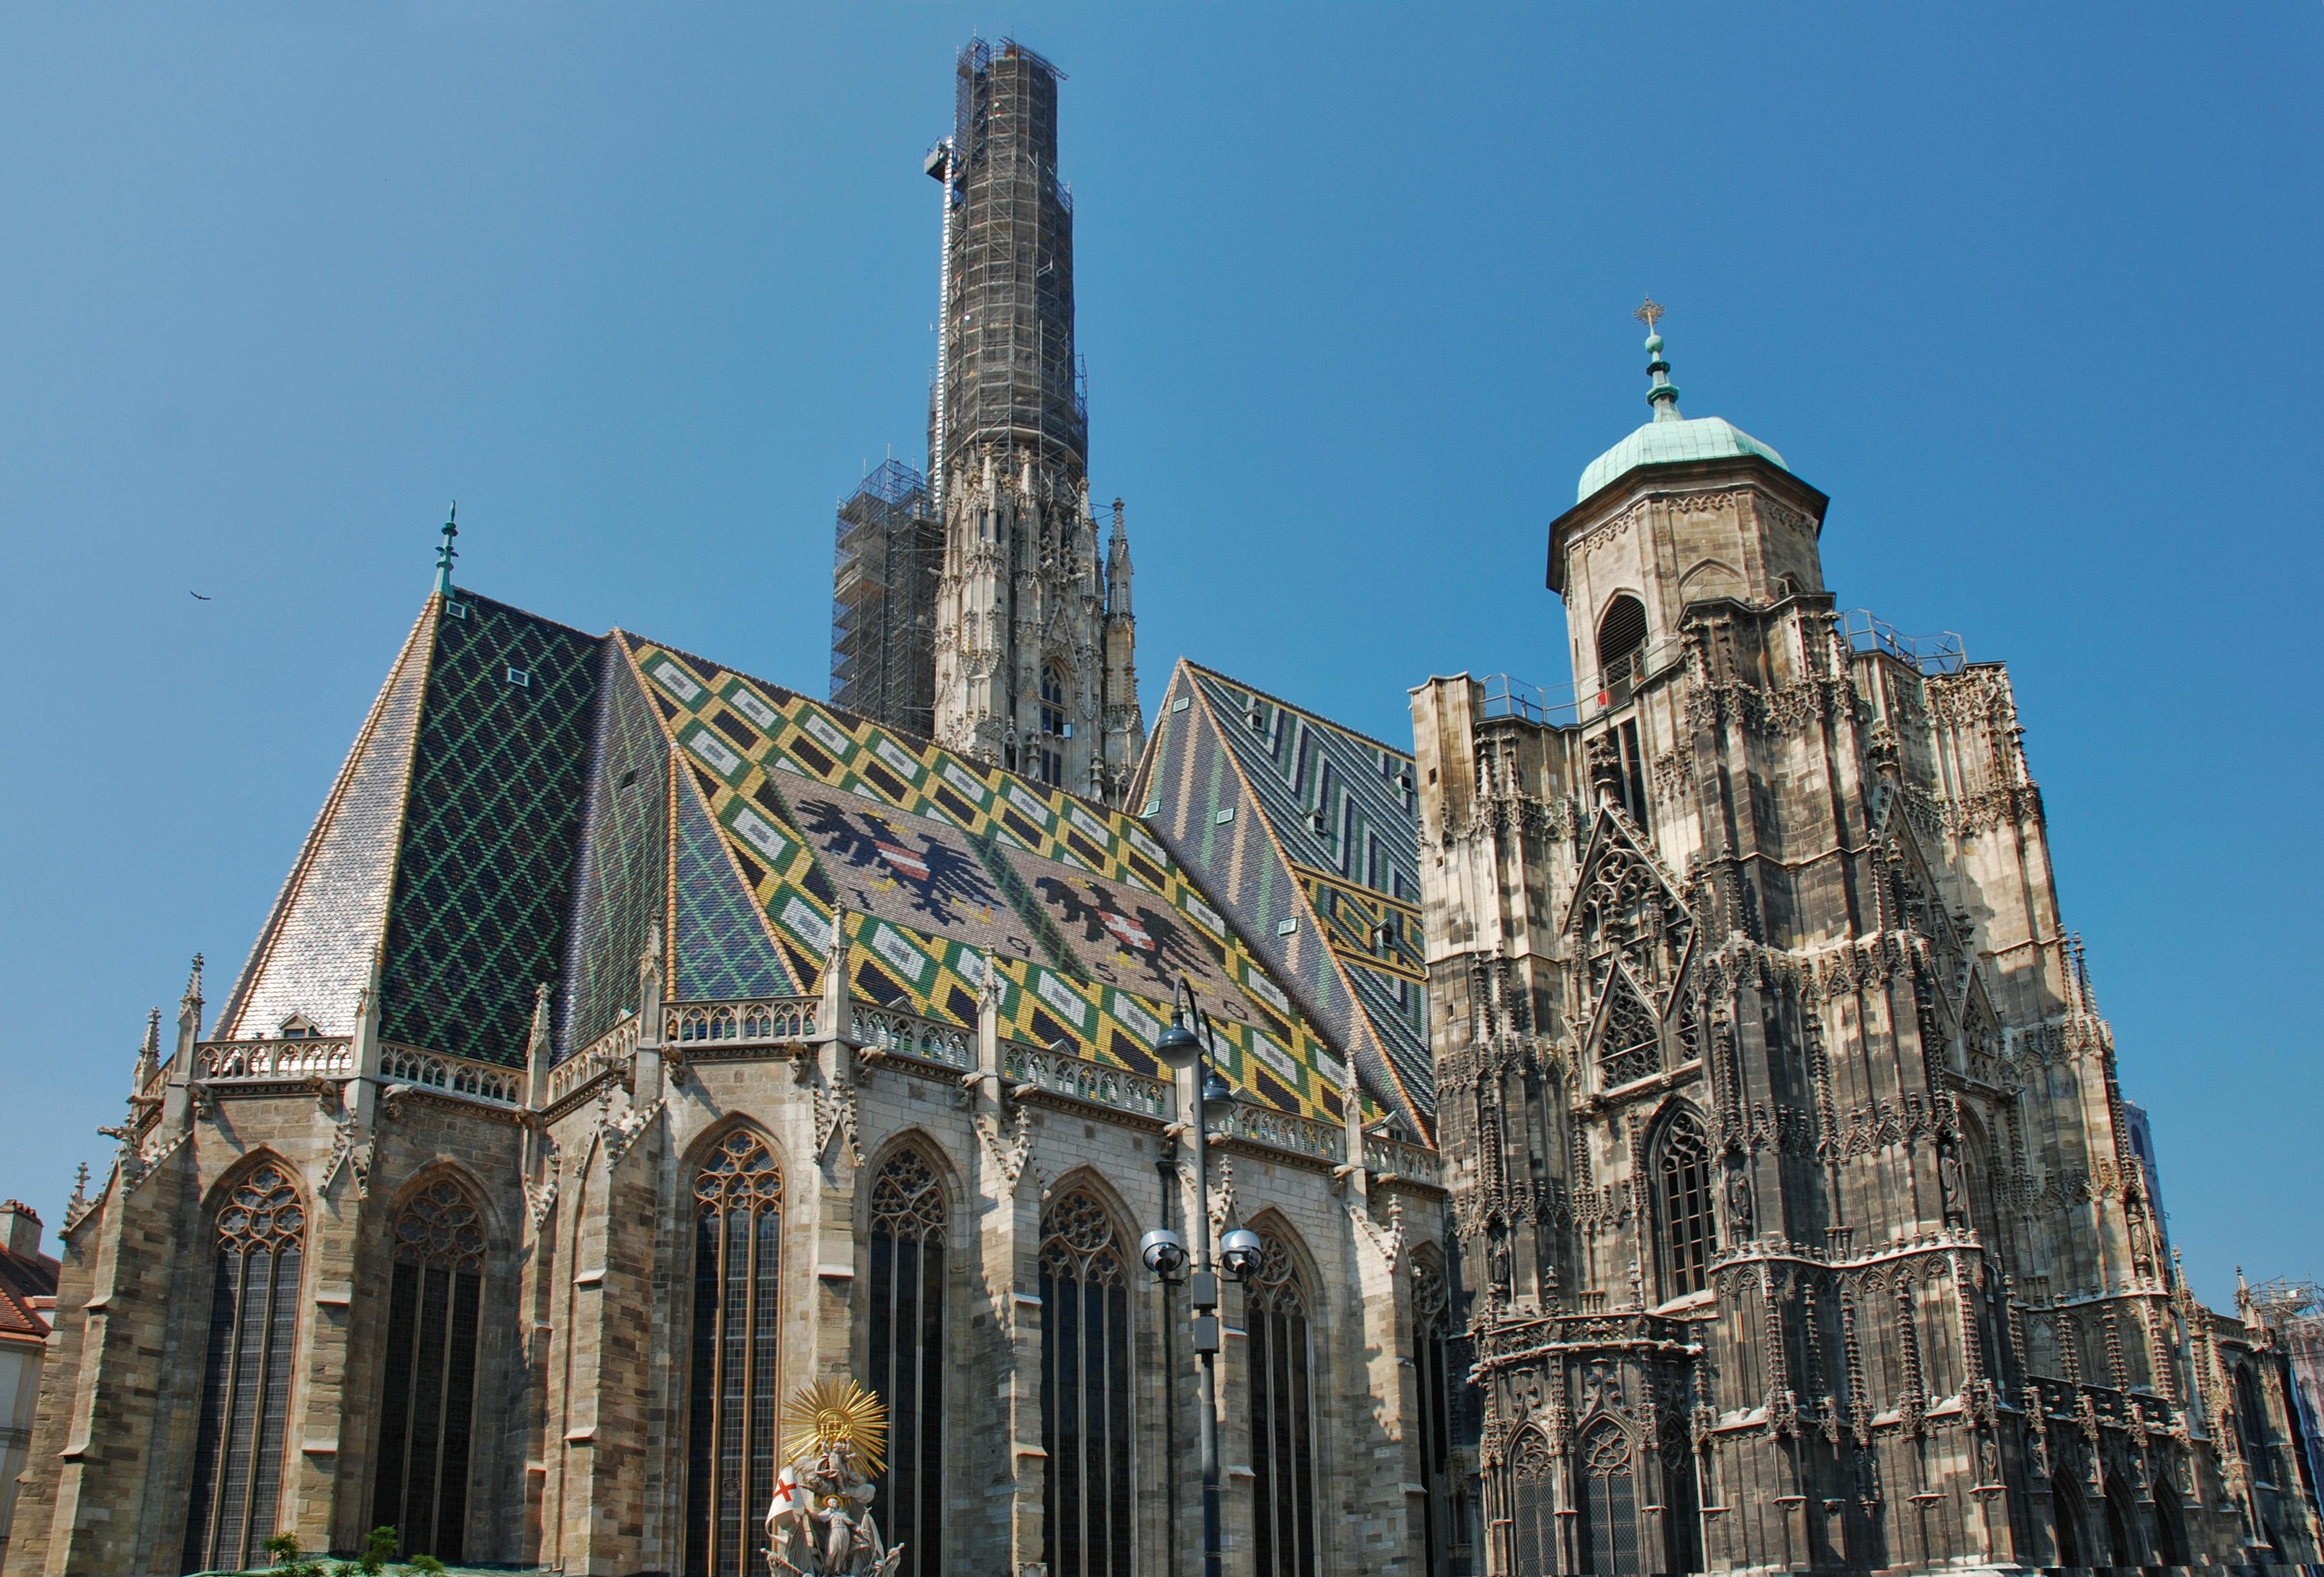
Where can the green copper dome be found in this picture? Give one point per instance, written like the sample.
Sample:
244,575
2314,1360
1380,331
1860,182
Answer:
1698,437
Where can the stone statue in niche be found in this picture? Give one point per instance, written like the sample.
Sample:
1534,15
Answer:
1738,1204
1950,1187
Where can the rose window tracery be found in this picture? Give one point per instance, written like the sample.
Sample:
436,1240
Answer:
441,1227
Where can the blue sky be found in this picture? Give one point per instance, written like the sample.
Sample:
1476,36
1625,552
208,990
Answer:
2030,292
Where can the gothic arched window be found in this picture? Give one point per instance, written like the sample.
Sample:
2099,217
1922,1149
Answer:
1432,1343
1681,1522
429,1390
909,1215
1084,1390
735,1387
2170,1526
1607,1498
2067,1525
1683,1197
2122,1522
1282,1438
1049,752
238,1486
1621,649
1533,1506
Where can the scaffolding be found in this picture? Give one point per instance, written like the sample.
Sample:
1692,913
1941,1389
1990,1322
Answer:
889,553
2294,1311
1008,376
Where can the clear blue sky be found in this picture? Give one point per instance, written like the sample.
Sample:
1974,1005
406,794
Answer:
2031,291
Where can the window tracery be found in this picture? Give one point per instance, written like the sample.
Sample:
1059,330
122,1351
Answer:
1630,1046
1084,1390
1283,1447
1444,1538
1635,936
1683,1194
1609,1502
734,1388
428,1374
260,1242
1532,1505
910,1214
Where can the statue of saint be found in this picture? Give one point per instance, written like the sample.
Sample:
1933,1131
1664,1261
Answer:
820,1524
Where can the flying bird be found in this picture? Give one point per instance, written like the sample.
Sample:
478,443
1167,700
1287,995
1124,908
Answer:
199,598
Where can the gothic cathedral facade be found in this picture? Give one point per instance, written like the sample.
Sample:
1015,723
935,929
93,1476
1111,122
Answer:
1673,1117
1784,1144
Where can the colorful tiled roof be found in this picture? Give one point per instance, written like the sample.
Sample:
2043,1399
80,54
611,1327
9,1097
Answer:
448,843
1306,831
939,862
527,803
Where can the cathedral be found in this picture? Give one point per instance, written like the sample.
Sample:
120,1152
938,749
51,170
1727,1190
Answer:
1670,1118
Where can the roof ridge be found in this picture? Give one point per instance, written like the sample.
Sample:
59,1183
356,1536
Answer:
836,710
471,595
1312,716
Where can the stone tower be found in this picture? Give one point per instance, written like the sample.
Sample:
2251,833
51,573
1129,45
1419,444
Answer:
1784,1141
1035,668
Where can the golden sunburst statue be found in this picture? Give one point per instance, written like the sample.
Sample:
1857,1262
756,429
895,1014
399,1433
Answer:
831,1413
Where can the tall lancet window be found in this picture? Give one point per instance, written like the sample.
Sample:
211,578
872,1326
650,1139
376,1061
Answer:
237,1487
1048,763
1432,1344
734,1392
909,1215
1282,1437
1533,1506
427,1400
1608,1499
1084,1390
1684,1195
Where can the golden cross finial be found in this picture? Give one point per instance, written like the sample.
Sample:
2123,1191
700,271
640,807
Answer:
1649,314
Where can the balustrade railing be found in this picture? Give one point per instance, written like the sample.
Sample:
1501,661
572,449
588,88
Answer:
1084,1080
458,1076
776,1020
910,1035
160,1082
294,1057
1278,1131
583,1065
1416,1162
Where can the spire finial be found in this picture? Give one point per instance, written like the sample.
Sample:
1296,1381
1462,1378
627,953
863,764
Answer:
541,1022
446,553
1663,396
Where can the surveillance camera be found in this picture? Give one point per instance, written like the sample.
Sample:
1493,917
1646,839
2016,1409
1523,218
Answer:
1163,1251
1238,1252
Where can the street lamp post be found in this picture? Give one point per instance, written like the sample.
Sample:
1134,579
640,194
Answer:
1181,1048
